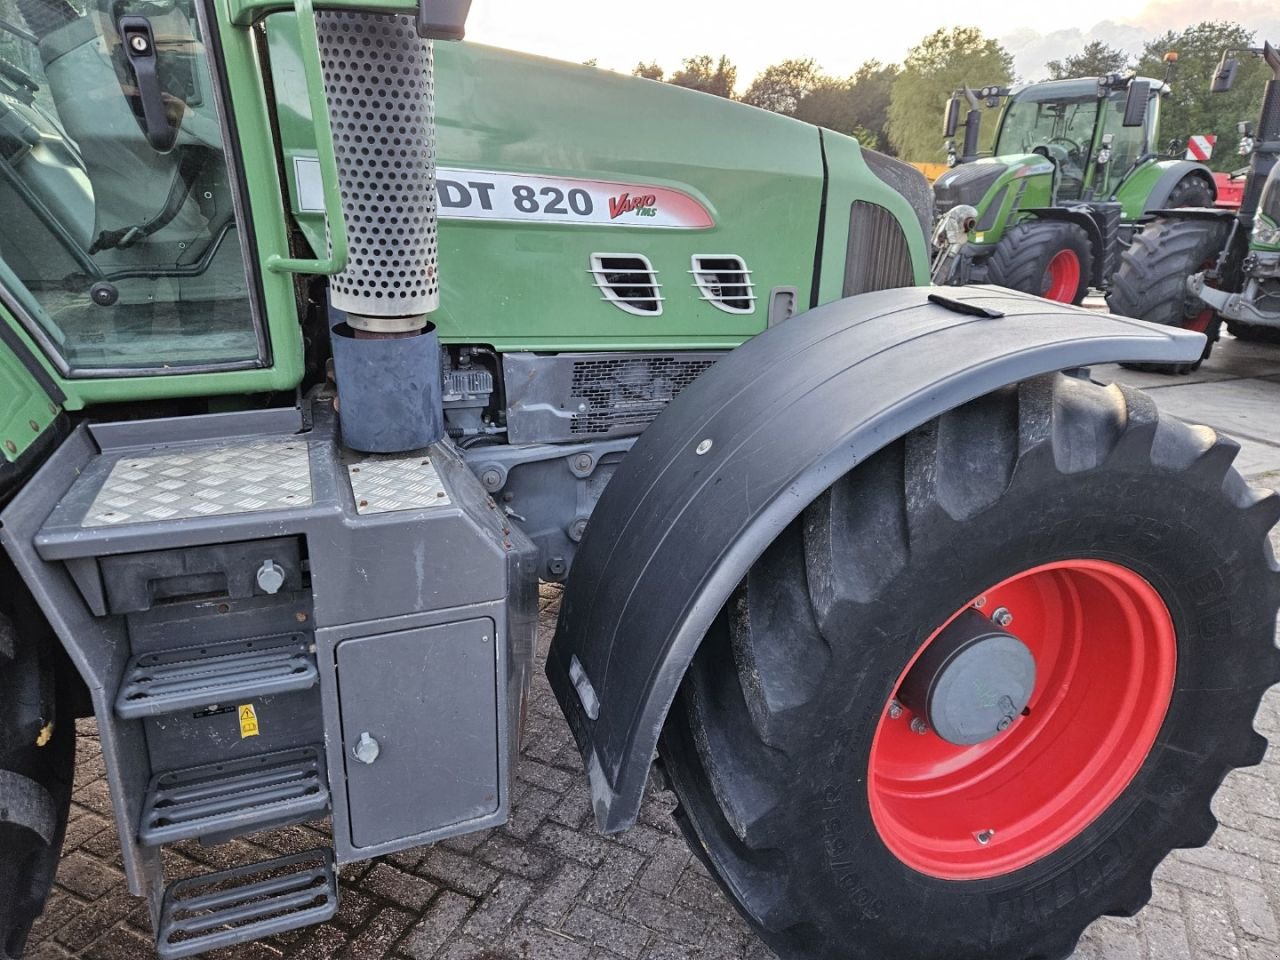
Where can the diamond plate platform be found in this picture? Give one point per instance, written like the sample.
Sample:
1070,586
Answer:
385,485
204,481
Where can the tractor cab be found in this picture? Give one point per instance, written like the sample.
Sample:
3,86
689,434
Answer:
1080,126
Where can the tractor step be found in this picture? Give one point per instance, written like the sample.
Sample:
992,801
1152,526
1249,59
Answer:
246,903
219,800
195,677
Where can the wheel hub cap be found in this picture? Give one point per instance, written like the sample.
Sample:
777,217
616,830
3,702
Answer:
973,681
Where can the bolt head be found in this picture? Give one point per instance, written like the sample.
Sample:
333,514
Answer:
895,710
1002,617
582,461
919,726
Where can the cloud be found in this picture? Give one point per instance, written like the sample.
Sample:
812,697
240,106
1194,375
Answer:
1032,49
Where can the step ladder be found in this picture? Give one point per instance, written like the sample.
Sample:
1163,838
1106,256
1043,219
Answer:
218,801
195,677
246,903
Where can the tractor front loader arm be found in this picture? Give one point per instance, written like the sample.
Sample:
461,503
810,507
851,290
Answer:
740,454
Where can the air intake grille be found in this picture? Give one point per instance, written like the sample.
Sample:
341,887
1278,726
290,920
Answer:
378,81
726,282
628,281
624,394
879,257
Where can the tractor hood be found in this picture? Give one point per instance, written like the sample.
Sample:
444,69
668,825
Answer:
972,183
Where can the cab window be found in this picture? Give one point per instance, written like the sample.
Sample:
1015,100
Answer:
118,233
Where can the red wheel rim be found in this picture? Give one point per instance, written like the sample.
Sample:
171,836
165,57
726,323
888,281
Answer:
1105,662
1063,277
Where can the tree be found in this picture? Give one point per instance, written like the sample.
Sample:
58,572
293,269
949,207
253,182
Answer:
936,67
650,71
1095,60
593,62
857,105
1190,108
783,86
710,76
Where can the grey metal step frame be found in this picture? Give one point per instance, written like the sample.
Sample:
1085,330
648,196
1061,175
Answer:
187,678
375,569
221,800
295,891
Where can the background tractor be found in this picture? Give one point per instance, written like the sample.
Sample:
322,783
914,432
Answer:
1196,269
311,369
1075,165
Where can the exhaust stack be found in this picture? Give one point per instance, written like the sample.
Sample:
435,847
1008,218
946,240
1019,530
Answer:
380,92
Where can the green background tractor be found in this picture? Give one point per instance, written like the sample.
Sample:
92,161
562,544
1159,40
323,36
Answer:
1075,164
323,342
1197,269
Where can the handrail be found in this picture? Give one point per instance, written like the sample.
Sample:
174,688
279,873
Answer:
313,72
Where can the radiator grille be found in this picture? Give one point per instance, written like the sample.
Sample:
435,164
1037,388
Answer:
625,393
879,257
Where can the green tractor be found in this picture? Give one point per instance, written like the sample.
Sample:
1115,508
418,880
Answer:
323,342
1075,165
1197,269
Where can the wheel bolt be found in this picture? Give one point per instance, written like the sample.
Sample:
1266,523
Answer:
1002,617
980,602
895,710
919,726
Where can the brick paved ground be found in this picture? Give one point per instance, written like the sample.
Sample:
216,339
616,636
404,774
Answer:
547,887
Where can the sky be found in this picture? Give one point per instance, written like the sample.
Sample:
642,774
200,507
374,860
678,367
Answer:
839,34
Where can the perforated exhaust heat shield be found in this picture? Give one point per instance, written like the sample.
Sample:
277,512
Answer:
379,85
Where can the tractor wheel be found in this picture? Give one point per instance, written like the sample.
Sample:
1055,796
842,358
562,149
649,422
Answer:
37,768
967,702
1253,332
1046,258
1190,191
1151,283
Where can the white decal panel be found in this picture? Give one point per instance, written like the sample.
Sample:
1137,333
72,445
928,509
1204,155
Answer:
530,198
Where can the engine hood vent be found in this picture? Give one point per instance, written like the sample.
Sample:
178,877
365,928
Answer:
629,282
724,280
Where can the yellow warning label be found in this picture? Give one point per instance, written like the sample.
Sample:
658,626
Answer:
248,721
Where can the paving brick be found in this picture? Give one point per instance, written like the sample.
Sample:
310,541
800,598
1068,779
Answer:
456,871
514,856
607,932
537,943
375,940
403,888
435,927
1254,910
558,895
494,915
665,917
88,876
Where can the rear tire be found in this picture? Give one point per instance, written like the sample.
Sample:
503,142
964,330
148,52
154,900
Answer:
1045,258
1253,332
1190,191
769,745
1151,283
37,744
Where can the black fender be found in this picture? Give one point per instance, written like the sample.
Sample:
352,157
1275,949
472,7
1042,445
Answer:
1172,176
745,449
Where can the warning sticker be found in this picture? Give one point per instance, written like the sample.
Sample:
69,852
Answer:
248,721
536,198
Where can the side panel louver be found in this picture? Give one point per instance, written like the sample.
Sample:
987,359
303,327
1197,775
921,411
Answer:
879,257
725,281
628,281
